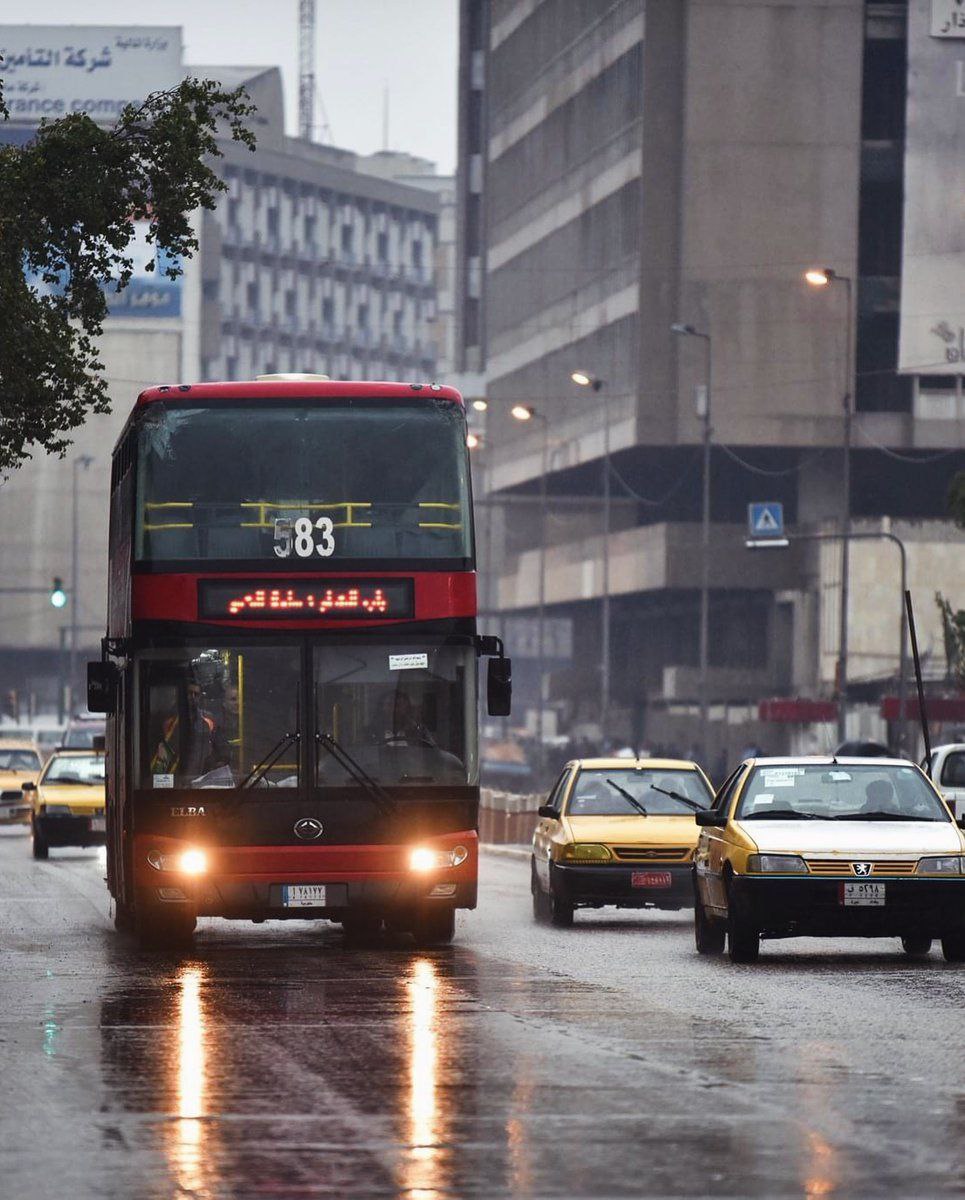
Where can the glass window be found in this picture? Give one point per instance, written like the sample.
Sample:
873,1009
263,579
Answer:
622,792
213,717
75,768
19,760
80,734
953,770
318,482
404,714
839,792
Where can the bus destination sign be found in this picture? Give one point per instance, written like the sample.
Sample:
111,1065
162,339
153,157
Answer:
312,599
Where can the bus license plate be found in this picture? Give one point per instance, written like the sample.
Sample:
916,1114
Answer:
864,895
651,879
98,825
303,895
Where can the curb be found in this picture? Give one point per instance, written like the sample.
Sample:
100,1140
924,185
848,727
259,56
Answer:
519,852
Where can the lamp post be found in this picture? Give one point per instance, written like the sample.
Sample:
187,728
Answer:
525,412
690,331
582,379
819,277
83,460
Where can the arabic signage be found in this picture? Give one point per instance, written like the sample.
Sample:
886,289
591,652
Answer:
948,18
932,336
51,70
149,294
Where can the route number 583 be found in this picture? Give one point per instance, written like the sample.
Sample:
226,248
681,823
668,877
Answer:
304,537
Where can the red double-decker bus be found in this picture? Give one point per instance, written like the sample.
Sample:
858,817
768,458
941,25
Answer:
290,667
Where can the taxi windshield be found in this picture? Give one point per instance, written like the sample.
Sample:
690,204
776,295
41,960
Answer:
19,760
853,792
601,792
75,768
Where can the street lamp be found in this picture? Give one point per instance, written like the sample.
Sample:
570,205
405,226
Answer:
820,277
689,331
525,412
480,405
584,380
84,461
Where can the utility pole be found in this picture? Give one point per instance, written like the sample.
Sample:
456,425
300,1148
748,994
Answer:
306,69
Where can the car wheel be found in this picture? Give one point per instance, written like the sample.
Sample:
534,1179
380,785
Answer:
541,902
916,947
40,848
953,947
561,913
435,927
709,935
743,937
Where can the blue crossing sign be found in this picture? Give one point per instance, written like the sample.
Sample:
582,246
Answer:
765,520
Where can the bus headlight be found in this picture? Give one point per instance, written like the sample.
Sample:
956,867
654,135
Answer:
424,858
189,862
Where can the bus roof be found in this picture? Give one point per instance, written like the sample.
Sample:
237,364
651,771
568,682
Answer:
333,389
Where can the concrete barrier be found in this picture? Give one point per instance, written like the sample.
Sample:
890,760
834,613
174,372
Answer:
507,819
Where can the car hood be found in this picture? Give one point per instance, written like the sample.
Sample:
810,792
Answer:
77,795
633,830
13,779
849,838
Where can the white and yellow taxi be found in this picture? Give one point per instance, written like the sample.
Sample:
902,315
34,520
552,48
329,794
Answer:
19,764
829,847
68,802
620,832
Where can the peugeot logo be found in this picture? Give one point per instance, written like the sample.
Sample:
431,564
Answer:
308,829
862,868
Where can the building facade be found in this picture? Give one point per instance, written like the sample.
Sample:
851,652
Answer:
633,165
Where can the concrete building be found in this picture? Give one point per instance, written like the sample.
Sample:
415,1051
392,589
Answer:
315,259
631,165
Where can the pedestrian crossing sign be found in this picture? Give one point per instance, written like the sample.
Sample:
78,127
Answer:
765,519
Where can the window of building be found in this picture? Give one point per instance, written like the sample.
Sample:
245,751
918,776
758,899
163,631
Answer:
382,247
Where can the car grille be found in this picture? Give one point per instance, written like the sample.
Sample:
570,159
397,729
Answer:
837,866
652,853
9,795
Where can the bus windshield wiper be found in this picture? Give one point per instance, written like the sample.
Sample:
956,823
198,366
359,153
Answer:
260,769
677,796
376,793
632,799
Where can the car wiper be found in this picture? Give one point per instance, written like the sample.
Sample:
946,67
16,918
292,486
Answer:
260,769
376,793
677,796
884,816
632,799
783,814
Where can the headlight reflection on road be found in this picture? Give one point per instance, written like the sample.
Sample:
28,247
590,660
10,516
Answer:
189,1149
423,1177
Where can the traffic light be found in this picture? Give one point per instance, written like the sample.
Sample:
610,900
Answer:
58,597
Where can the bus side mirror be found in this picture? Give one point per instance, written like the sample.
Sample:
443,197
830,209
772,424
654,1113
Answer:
101,687
499,687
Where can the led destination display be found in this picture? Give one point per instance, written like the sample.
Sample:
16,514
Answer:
300,599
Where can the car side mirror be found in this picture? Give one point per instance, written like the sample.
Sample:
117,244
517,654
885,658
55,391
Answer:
28,787
547,811
499,687
102,680
960,822
712,817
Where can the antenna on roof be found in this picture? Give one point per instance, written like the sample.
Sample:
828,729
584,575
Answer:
306,68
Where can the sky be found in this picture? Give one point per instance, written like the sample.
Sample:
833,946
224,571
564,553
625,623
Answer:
363,46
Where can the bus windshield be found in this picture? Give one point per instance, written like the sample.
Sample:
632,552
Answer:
311,483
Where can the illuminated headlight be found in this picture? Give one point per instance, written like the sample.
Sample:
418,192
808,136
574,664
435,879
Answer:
776,864
187,862
946,865
423,858
55,810
586,852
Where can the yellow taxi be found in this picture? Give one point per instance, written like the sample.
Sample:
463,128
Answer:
19,764
829,847
617,832
68,801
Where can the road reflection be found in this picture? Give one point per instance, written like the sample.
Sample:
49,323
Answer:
424,1170
187,1149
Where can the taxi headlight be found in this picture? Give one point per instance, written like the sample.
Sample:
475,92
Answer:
55,810
945,865
586,852
424,858
189,862
776,864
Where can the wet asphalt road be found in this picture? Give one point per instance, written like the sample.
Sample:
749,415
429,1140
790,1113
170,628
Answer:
606,1060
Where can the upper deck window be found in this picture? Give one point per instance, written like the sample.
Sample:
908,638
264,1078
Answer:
311,483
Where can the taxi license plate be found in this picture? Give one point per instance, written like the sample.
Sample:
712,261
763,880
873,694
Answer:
98,825
862,895
651,879
303,895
